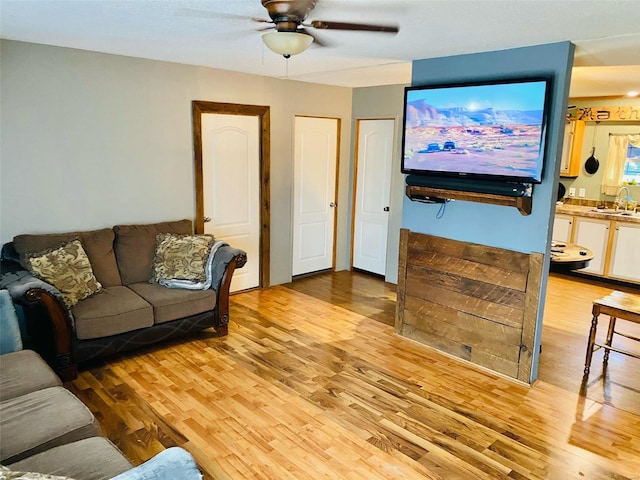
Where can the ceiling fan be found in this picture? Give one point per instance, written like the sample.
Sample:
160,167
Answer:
291,35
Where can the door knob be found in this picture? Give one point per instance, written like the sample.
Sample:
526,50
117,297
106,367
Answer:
386,209
207,219
333,204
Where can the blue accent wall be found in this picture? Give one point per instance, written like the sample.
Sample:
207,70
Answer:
494,225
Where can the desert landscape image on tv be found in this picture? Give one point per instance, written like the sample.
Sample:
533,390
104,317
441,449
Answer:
479,129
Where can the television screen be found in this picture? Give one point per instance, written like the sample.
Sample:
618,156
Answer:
485,130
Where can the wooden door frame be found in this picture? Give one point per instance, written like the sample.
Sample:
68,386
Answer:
262,112
354,192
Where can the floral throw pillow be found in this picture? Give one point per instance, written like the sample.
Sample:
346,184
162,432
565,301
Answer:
68,269
208,269
181,257
8,474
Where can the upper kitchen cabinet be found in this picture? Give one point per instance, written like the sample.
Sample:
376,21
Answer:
572,148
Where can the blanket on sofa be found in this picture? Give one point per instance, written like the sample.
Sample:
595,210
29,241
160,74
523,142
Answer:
10,339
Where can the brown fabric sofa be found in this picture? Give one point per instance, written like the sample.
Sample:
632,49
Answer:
130,311
45,428
46,431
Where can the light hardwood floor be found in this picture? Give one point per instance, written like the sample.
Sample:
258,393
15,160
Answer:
312,383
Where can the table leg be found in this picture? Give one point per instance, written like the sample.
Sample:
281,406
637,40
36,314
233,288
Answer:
592,341
610,331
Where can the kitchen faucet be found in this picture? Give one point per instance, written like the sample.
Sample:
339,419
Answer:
626,199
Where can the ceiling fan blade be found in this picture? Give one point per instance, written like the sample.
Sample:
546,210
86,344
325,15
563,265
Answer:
320,24
197,13
261,20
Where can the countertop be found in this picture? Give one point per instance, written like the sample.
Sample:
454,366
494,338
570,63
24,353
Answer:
593,212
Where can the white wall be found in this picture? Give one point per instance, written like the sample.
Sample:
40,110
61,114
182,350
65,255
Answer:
91,140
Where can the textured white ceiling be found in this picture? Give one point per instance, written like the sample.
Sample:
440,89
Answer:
221,34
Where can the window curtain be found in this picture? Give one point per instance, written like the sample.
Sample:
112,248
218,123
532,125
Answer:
616,159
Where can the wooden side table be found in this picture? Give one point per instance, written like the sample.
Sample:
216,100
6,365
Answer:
617,305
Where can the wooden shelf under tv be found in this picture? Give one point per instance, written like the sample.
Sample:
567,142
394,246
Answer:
523,204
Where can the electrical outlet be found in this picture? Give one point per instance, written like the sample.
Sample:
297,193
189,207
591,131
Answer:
582,193
572,191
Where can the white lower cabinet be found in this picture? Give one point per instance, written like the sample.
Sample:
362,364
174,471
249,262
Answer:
615,244
625,253
562,228
593,234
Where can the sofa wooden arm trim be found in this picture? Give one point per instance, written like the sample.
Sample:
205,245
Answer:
62,331
222,302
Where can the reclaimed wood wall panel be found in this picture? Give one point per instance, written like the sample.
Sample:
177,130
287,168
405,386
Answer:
469,301
476,302
531,315
402,277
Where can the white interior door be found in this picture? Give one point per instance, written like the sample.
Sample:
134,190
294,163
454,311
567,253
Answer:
231,185
315,159
373,185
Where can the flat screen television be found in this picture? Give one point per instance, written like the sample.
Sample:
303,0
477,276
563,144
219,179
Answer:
490,130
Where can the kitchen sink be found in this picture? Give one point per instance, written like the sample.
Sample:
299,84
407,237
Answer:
611,211
603,210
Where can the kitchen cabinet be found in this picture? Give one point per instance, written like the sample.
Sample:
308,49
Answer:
614,240
593,234
572,148
625,253
562,225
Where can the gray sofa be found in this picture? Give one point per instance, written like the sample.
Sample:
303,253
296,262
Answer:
129,311
45,429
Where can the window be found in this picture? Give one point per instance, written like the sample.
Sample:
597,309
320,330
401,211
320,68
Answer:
631,172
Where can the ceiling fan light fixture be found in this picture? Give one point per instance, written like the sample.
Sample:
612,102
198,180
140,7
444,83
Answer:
287,43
